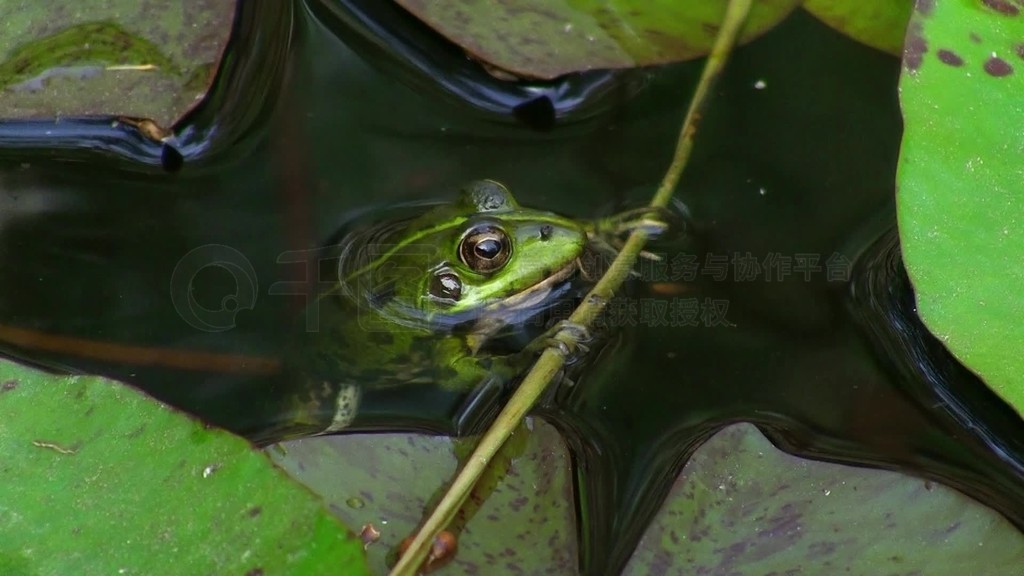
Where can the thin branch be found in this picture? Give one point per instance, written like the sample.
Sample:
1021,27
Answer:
552,360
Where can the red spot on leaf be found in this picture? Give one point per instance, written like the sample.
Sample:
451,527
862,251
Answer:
998,67
950,57
915,48
1003,7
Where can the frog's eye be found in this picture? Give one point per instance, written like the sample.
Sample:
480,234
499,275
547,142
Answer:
485,249
446,287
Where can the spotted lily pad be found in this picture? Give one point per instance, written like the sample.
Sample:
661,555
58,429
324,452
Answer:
521,521
743,507
109,57
961,182
548,38
740,506
97,478
880,24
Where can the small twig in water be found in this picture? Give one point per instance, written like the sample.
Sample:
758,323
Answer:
52,446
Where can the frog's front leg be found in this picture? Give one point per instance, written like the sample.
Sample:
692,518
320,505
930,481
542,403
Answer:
652,220
464,369
608,234
568,338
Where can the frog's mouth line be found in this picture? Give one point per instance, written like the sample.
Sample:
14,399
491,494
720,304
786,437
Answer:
535,293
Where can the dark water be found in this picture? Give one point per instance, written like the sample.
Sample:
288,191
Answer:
787,306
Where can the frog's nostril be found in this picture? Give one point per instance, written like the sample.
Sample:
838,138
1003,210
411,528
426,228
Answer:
546,232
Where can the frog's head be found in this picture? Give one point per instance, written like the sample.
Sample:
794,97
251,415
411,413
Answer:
483,250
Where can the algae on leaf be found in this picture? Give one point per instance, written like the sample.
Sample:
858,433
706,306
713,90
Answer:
109,57
97,478
960,184
98,45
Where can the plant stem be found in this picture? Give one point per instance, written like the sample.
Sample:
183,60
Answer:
552,360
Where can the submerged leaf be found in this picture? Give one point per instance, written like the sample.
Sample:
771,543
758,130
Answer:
549,38
743,507
97,478
961,182
880,24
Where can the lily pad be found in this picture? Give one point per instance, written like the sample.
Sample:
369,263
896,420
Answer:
743,507
97,478
548,38
880,24
521,523
961,182
123,58
740,506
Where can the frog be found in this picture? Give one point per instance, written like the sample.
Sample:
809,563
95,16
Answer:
417,300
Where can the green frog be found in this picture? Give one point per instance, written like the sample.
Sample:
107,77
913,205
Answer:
416,301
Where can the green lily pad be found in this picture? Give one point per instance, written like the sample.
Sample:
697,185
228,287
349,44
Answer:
111,57
743,507
522,521
97,478
740,506
961,182
548,38
880,24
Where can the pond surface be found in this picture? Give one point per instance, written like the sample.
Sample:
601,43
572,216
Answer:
786,305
